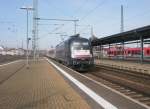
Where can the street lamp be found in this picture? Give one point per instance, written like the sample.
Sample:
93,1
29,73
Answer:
28,39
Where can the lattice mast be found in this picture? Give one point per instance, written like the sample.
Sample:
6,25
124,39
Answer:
35,29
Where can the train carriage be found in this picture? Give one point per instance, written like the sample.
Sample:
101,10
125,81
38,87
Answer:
129,52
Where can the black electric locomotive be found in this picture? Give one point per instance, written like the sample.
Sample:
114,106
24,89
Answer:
75,52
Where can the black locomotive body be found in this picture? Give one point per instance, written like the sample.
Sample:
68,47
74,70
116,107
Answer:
75,52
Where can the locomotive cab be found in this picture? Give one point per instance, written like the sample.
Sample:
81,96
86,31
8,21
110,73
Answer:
81,54
75,52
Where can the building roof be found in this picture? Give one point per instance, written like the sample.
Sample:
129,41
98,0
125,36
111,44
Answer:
131,35
1,48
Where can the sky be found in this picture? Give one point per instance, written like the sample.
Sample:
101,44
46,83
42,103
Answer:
102,15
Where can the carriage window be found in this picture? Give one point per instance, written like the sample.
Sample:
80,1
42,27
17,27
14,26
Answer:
139,51
132,52
148,51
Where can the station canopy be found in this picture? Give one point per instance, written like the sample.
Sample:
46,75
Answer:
131,35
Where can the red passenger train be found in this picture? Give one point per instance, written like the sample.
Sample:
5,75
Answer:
128,52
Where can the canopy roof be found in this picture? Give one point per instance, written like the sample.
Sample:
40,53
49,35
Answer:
131,35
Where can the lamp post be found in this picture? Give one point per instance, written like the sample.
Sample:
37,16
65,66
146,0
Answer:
28,39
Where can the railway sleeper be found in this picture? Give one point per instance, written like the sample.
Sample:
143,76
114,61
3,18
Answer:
130,93
123,90
116,86
136,96
144,99
147,102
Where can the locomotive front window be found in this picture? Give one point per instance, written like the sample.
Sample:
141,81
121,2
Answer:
80,46
80,49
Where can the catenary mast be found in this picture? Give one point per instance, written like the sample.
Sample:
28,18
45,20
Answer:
35,29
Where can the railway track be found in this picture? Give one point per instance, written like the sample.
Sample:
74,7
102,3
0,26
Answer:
8,58
6,73
135,87
132,84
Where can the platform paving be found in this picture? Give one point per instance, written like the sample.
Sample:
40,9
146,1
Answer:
39,87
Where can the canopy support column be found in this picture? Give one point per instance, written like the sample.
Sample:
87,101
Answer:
100,53
109,50
142,53
123,51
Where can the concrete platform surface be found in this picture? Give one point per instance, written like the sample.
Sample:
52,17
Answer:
143,68
39,87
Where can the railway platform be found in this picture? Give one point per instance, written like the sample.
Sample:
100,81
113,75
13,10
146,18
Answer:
39,87
125,65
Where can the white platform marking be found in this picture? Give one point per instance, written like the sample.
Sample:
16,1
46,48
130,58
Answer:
101,101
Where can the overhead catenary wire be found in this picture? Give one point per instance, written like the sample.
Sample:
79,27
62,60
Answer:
46,24
129,19
92,10
81,6
125,19
49,2
78,9
57,28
